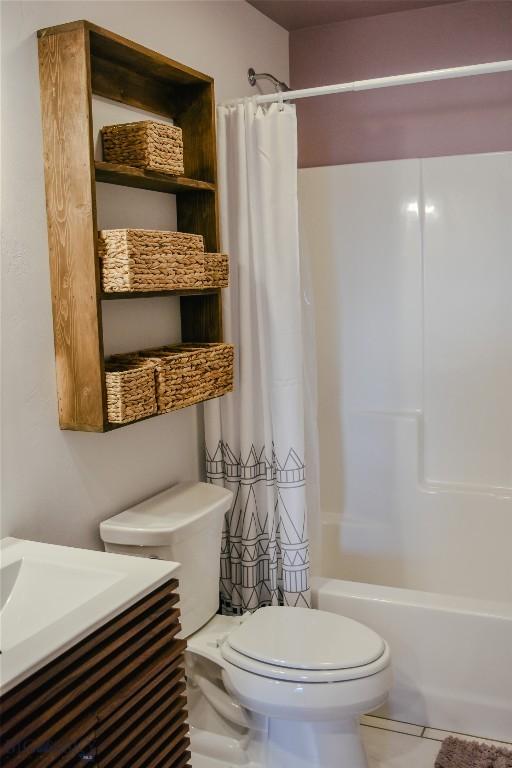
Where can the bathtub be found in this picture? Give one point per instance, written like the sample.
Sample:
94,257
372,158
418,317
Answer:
452,656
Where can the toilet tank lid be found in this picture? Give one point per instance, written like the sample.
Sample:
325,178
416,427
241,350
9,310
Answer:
156,521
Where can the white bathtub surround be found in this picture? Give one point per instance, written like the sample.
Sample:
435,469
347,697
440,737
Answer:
255,436
452,656
411,268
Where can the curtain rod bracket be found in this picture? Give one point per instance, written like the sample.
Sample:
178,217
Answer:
253,78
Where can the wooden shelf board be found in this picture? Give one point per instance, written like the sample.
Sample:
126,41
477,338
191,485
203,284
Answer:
109,46
105,296
110,427
127,176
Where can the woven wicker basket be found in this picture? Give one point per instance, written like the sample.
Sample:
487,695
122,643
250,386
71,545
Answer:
151,260
189,373
147,144
216,268
130,389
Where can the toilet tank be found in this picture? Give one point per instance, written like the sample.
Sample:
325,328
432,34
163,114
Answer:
183,524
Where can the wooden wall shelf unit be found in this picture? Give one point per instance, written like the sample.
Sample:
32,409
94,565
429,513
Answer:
77,60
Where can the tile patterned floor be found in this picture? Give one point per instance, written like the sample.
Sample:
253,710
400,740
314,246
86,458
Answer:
392,749
389,744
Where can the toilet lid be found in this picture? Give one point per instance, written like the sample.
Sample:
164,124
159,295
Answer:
287,674
305,639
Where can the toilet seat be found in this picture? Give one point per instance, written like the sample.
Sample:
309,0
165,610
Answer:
290,674
303,645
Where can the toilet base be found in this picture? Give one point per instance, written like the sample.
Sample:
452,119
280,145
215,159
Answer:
333,744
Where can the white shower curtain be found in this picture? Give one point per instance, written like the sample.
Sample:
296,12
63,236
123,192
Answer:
255,436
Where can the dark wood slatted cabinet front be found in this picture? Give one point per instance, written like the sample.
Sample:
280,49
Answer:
117,699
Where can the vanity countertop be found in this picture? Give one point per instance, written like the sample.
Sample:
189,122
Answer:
54,596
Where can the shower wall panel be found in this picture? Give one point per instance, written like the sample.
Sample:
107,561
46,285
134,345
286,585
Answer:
412,274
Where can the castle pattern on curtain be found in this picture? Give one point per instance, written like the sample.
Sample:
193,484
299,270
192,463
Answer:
255,436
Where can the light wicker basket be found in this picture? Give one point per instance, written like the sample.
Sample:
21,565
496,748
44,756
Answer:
131,392
216,268
152,260
189,373
147,144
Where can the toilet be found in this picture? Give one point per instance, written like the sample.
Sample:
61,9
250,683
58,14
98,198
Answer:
278,688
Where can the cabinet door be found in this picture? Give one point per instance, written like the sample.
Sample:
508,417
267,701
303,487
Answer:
118,698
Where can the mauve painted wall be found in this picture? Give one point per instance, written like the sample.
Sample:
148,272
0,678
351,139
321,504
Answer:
443,118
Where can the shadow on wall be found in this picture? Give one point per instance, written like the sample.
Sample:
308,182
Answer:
101,474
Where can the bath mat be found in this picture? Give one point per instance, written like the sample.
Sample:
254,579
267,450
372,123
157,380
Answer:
457,753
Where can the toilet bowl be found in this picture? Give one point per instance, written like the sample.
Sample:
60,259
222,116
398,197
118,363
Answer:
285,687
310,674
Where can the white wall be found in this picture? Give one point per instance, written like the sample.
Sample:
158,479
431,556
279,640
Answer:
412,273
58,485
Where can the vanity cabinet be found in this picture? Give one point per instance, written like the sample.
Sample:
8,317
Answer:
116,699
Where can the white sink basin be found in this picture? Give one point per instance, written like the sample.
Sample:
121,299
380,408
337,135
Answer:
38,593
51,597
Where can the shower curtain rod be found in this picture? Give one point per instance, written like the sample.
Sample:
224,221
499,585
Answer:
380,82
